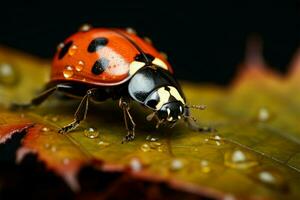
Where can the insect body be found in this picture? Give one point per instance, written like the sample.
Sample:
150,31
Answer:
95,64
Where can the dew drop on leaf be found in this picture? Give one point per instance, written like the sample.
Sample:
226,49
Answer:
263,114
271,178
145,147
103,144
91,133
239,159
204,166
176,164
214,139
8,75
66,161
68,71
135,165
45,129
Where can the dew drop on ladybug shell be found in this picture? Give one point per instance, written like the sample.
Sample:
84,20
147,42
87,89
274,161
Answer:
72,50
85,27
68,71
80,65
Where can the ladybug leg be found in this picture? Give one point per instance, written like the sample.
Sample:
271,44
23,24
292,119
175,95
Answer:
80,113
40,98
129,123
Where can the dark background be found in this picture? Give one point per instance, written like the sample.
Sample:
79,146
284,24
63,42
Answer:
205,41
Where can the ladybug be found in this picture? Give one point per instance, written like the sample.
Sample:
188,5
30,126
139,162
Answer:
96,64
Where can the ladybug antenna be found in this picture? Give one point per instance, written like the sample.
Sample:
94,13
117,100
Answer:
135,45
199,107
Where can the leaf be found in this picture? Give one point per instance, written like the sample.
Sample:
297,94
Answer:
254,154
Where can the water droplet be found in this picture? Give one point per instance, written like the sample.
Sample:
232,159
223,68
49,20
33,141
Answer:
8,75
130,30
80,65
204,166
151,139
263,114
135,165
91,133
72,50
104,144
176,164
68,71
272,178
47,145
54,119
60,46
239,159
214,139
45,129
53,148
85,27
145,147
66,161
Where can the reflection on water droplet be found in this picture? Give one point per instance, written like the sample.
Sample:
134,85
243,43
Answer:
239,159
72,50
79,66
8,75
85,27
104,144
91,133
68,71
145,147
263,114
176,164
204,166
45,129
135,165
271,178
214,139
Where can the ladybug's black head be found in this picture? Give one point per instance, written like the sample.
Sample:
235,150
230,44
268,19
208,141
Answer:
167,103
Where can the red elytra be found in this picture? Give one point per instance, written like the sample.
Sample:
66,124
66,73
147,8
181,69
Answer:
76,64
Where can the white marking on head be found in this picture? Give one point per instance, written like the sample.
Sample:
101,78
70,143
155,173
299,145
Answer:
174,92
160,63
164,96
180,108
135,66
168,111
170,119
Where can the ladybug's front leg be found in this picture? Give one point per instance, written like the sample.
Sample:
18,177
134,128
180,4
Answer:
129,123
80,113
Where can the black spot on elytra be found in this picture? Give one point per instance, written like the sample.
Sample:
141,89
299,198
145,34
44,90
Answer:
65,49
97,43
100,66
141,57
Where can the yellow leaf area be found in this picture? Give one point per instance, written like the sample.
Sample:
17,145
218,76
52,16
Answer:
253,154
